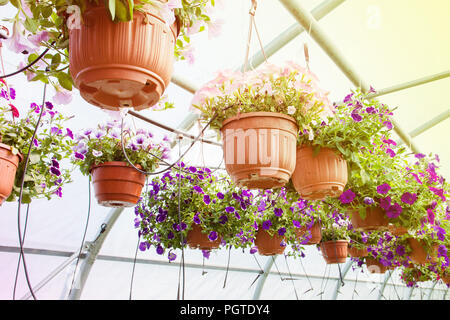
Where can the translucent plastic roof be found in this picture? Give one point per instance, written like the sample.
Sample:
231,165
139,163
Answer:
386,42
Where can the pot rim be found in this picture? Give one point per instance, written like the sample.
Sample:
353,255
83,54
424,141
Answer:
259,114
9,148
114,164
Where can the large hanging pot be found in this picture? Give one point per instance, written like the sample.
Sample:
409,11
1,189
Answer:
334,251
317,176
124,64
259,149
375,219
8,167
117,184
196,239
268,245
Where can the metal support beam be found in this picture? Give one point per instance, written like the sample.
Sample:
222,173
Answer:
410,84
431,290
319,35
338,281
263,278
53,274
93,249
387,276
433,122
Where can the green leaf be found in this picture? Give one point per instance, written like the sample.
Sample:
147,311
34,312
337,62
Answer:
46,11
64,80
56,60
362,213
121,11
3,2
31,25
112,8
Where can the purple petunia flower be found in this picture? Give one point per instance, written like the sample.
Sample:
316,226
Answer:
253,250
394,211
388,125
198,189
356,117
58,192
296,223
400,250
193,169
212,236
266,224
49,105
419,155
348,98
143,246
237,215
170,235
278,212
368,200
55,163
384,188
159,250
206,254
206,199
282,231
409,198
196,219
220,195
55,171
12,93
390,152
430,215
371,110
223,219
347,196
230,209
171,256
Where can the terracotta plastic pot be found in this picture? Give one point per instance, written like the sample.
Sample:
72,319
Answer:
446,278
397,230
334,251
196,239
375,219
357,253
125,64
316,177
374,266
314,232
259,149
268,245
419,254
8,167
117,184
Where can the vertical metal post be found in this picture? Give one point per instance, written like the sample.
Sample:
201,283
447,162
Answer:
387,276
93,249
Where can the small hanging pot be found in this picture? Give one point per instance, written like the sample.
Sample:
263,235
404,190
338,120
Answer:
8,167
268,245
317,176
419,254
117,184
314,233
357,253
375,219
397,230
259,149
196,239
334,251
374,266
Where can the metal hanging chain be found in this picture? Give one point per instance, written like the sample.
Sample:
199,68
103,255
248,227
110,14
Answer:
20,255
134,266
182,266
228,267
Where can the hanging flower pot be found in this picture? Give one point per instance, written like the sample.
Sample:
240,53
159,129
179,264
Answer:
357,252
375,219
122,64
269,245
197,239
259,149
397,230
8,167
317,176
419,254
314,234
374,266
334,251
117,184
